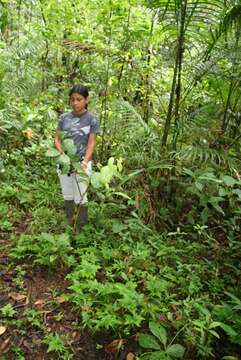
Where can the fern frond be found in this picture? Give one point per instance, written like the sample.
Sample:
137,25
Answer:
20,61
130,117
200,155
132,134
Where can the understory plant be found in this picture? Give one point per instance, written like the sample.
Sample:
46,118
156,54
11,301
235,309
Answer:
44,249
157,341
100,179
56,344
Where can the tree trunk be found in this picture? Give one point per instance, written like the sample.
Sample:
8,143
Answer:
176,80
180,53
104,114
147,78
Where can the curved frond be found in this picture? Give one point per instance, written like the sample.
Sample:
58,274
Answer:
231,18
199,10
200,155
132,134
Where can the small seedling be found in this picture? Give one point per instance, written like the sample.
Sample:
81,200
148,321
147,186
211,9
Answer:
8,311
19,279
158,341
18,353
56,344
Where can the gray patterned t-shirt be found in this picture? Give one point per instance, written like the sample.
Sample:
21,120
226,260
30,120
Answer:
78,127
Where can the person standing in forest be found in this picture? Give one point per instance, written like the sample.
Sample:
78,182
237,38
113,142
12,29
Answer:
81,126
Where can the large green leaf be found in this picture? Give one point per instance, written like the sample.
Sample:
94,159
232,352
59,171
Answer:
159,331
237,192
81,172
228,180
96,180
69,147
175,350
155,355
117,227
103,178
52,152
64,159
148,341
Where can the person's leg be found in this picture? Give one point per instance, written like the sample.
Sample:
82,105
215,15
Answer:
69,207
81,217
80,198
67,191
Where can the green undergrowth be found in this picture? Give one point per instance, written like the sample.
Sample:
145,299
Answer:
124,275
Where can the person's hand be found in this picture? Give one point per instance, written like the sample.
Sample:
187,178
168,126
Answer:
84,165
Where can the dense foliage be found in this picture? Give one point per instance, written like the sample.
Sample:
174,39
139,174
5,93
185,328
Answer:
160,259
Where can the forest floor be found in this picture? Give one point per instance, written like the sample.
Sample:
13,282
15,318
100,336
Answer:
36,291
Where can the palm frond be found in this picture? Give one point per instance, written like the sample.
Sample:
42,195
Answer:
203,11
231,18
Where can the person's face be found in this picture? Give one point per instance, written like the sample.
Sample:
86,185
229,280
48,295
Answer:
78,102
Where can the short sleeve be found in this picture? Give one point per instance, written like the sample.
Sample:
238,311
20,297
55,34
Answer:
94,126
60,123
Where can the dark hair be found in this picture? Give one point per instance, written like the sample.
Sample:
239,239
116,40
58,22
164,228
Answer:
79,89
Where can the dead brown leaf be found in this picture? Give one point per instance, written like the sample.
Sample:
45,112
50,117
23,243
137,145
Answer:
7,276
2,329
36,341
114,346
16,296
28,133
27,345
74,334
130,356
29,294
4,346
130,270
39,302
174,307
178,317
60,299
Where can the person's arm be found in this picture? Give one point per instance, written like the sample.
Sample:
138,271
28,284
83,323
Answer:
89,150
57,141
